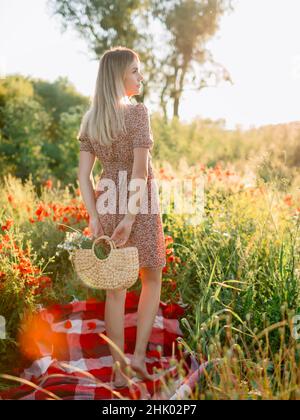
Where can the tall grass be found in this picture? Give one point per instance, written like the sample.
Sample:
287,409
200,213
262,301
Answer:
237,270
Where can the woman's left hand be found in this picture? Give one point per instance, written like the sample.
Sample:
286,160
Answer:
96,227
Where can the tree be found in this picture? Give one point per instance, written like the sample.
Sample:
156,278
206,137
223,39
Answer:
189,24
106,23
23,124
178,58
39,121
57,97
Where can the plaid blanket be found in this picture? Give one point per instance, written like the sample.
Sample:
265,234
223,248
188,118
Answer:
69,359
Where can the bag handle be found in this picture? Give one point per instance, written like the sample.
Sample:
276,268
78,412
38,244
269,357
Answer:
107,238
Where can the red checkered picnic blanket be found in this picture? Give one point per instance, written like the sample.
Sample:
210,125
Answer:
64,345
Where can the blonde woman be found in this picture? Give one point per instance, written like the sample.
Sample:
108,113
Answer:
118,133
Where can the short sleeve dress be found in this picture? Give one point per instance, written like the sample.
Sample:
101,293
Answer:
112,189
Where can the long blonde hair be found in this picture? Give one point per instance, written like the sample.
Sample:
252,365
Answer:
105,119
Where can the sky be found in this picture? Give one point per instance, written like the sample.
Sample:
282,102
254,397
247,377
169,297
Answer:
258,43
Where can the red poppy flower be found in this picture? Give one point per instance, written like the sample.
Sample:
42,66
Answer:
48,184
7,225
288,200
171,258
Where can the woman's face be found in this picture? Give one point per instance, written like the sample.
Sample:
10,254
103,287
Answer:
133,78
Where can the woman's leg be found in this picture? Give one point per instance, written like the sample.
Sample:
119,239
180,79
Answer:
114,322
147,310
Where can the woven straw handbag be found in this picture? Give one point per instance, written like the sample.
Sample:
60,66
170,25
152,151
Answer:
119,270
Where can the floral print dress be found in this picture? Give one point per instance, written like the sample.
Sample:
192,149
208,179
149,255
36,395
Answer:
117,162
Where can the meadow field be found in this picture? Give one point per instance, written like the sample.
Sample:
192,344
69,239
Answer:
237,268
222,97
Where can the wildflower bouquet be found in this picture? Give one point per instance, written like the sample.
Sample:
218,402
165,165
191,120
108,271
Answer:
77,240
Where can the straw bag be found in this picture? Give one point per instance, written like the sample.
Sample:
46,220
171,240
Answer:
119,270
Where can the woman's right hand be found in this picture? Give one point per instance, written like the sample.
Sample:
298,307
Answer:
122,232
96,227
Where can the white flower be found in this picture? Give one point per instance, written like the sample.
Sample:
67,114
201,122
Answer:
73,241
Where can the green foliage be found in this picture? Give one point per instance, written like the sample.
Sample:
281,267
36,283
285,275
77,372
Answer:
39,122
238,274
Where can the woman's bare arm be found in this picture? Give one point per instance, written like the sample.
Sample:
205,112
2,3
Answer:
86,182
